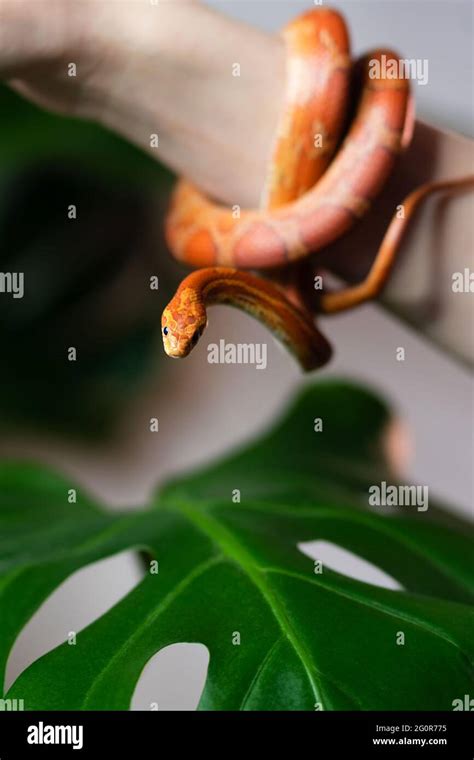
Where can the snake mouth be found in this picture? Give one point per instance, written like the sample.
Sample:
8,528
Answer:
179,348
175,351
179,343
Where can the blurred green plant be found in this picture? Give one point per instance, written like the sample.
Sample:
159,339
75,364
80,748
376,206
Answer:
29,134
87,279
306,640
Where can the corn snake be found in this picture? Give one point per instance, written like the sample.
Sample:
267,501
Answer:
329,162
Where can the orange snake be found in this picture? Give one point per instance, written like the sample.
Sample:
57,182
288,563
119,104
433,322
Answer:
323,175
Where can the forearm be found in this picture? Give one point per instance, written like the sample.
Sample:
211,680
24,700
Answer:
213,126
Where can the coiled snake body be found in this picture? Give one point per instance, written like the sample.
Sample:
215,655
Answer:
322,178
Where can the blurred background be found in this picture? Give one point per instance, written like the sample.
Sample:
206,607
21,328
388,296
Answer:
90,419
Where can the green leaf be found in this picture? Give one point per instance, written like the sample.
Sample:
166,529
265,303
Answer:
29,134
76,271
306,639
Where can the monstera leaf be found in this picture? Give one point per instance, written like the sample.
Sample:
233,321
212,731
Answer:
307,640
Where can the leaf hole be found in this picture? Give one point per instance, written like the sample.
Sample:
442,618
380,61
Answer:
173,679
347,563
83,597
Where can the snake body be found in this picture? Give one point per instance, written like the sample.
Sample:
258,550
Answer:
327,166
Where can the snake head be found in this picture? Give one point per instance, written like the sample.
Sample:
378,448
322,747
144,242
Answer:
182,324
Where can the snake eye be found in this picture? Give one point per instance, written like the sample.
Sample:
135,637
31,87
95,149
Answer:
165,331
195,338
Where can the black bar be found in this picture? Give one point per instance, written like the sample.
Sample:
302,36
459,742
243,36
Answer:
445,734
